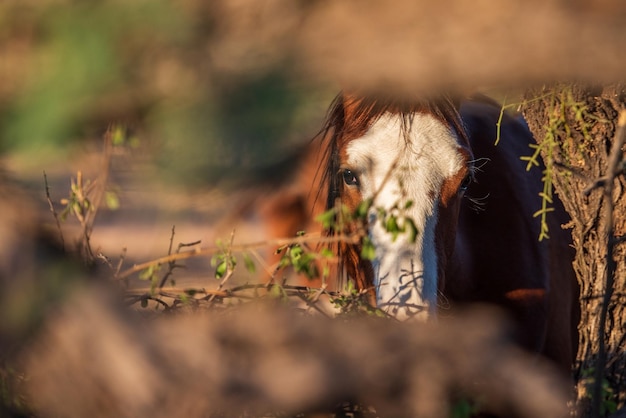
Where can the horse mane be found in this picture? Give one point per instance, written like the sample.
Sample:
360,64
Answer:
350,116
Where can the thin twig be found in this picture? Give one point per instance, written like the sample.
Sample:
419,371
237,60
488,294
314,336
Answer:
120,262
53,210
261,261
171,264
312,302
106,260
238,292
99,189
229,268
169,250
571,170
174,292
103,178
145,297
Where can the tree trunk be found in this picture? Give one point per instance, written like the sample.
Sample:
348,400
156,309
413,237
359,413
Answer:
575,128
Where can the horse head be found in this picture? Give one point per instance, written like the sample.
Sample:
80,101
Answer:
410,162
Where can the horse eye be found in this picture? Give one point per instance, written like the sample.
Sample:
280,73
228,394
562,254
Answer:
466,182
350,178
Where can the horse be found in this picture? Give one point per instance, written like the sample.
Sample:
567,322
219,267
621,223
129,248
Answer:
432,165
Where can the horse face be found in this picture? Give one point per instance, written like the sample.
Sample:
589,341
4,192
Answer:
417,172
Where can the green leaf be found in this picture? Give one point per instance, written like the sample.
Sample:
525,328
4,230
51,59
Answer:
111,200
306,265
327,253
391,225
118,135
609,406
464,409
412,229
221,269
249,263
295,253
154,280
363,208
64,214
326,271
368,252
149,272
543,211
349,287
277,292
284,261
327,219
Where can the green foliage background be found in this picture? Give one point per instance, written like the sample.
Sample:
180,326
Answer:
68,69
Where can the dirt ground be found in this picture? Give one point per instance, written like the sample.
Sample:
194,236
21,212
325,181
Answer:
150,208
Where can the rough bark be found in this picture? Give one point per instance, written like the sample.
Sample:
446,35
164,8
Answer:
583,122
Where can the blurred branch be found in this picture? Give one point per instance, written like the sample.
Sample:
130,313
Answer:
260,359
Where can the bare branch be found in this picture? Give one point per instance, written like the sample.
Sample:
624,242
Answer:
53,210
198,252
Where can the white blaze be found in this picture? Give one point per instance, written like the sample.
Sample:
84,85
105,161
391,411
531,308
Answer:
405,272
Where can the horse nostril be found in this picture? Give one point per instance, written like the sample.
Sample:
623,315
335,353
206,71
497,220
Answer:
350,178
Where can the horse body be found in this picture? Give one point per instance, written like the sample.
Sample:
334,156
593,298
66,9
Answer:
435,166
498,258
